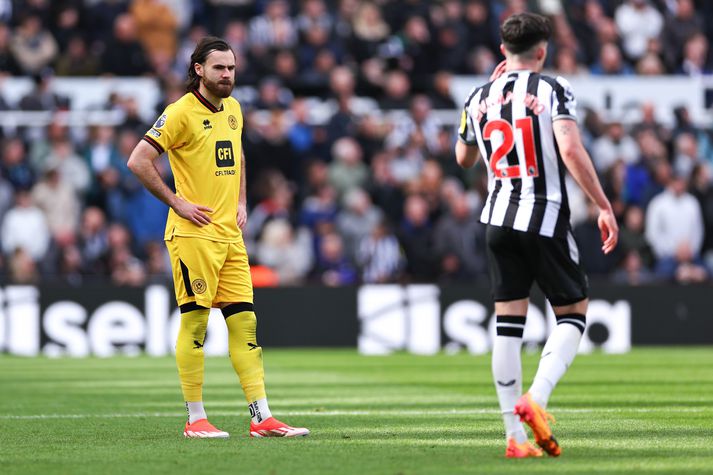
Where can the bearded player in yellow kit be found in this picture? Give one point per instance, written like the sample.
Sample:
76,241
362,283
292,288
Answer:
202,134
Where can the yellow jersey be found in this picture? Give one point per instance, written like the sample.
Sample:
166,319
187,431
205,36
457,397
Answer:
204,150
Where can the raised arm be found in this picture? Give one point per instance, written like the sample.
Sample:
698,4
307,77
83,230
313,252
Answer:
579,164
141,163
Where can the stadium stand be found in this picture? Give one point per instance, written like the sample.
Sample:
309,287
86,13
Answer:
349,134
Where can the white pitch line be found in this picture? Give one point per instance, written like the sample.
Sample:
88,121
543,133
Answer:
380,413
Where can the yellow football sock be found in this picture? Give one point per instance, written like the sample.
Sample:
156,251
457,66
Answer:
189,352
245,354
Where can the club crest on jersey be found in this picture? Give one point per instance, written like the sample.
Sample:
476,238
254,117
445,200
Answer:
199,286
232,122
160,122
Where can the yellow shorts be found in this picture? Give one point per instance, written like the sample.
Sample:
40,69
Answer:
209,272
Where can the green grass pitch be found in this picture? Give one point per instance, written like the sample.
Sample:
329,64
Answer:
650,411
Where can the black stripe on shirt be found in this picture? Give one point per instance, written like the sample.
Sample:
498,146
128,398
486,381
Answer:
558,92
540,182
512,157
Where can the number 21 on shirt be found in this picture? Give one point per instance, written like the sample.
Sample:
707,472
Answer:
498,159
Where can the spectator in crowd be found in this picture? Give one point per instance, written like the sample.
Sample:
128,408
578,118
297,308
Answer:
417,239
638,23
650,123
369,32
650,65
481,25
320,206
631,271
357,220
69,270
674,227
384,188
93,242
615,145
695,56
8,63
611,62
632,237
701,187
419,54
126,268
6,196
285,251
15,166
332,267
156,27
314,14
274,28
379,255
42,98
23,268
440,93
25,227
686,154
420,121
682,25
59,202
77,59
70,167
301,134
124,55
68,22
158,262
276,204
347,169
397,88
343,123
640,182
460,242
33,47
588,238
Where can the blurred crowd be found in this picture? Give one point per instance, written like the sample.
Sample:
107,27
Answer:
370,192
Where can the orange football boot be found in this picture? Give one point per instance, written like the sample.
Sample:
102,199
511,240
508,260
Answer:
521,451
202,429
538,419
271,427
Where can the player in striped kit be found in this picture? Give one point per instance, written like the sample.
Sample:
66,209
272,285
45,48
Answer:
524,126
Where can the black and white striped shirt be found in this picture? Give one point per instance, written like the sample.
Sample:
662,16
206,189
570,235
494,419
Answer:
510,120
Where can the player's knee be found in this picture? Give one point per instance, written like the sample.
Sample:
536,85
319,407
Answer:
578,320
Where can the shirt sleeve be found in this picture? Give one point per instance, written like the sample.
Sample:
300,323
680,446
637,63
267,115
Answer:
564,105
466,129
165,134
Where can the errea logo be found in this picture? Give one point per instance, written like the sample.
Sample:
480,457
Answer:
207,125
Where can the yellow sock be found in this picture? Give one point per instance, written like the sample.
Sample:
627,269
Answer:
189,352
245,354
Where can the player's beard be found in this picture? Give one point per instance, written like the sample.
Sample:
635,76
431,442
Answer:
222,88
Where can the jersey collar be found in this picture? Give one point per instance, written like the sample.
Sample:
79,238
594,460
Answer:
206,102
